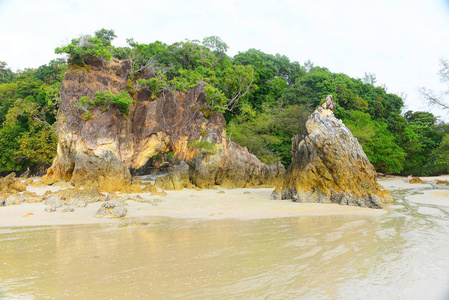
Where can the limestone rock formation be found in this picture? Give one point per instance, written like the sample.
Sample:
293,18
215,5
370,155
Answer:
177,179
329,165
11,184
25,197
111,209
277,193
442,182
100,151
417,180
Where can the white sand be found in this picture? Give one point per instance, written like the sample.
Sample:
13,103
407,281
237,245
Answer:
434,197
206,204
400,183
425,193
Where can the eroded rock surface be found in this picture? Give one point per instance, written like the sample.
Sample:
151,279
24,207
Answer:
111,209
100,151
178,178
329,165
11,184
417,180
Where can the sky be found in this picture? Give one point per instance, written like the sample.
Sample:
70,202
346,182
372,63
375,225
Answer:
401,42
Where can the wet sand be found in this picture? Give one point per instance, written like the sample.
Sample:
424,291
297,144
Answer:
428,193
232,245
217,204
209,204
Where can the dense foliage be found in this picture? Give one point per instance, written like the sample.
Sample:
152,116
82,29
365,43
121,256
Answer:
265,98
29,101
86,45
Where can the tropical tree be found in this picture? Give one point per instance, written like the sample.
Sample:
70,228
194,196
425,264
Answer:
86,46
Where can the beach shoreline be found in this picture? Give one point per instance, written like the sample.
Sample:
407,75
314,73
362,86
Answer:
207,204
210,204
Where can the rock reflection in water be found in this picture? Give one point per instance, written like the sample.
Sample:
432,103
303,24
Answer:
328,257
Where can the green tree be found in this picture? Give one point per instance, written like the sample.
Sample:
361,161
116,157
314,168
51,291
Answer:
7,97
268,134
26,138
216,44
238,82
419,138
53,72
438,162
86,46
106,36
377,142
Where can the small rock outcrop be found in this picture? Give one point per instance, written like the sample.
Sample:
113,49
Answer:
11,184
100,149
25,174
277,193
178,178
111,209
68,199
329,165
442,182
53,201
417,180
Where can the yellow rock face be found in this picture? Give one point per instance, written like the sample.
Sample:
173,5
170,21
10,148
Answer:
11,185
99,151
329,165
417,180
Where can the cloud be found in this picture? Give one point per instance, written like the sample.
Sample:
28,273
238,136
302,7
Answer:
400,42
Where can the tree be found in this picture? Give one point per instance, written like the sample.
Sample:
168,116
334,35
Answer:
377,142
430,96
238,82
268,134
87,45
52,72
308,65
26,138
422,118
217,45
7,93
5,73
106,36
369,78
439,159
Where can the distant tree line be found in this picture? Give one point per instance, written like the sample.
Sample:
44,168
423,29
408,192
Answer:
265,98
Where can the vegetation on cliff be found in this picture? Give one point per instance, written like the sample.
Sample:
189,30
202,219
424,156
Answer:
122,101
265,98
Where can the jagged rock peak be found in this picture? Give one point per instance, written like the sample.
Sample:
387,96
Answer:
329,165
329,103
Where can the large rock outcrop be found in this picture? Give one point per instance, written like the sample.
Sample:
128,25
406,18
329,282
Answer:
329,165
100,151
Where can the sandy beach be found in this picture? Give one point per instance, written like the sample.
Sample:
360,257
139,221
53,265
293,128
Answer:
238,243
207,204
428,193
215,204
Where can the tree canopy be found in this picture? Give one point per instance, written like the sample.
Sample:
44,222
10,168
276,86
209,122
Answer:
265,98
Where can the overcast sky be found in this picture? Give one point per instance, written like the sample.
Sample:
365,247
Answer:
399,41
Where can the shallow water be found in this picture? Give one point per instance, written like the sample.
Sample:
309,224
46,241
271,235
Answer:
401,255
